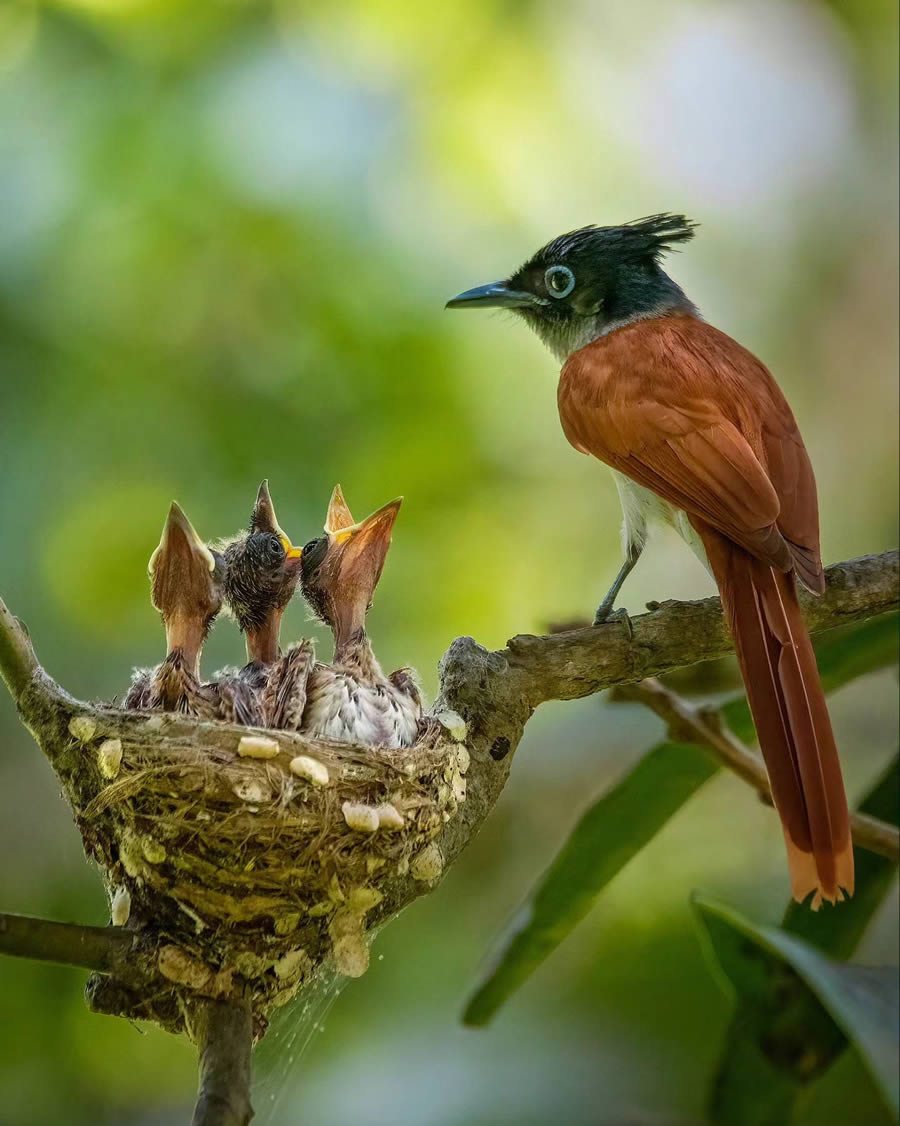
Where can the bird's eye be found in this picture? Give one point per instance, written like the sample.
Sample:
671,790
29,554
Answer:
275,547
559,280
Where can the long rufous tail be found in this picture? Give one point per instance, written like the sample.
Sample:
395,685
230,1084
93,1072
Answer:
792,724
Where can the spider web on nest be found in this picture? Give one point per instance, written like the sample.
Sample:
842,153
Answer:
277,1060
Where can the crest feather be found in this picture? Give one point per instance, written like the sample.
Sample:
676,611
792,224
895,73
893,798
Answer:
639,240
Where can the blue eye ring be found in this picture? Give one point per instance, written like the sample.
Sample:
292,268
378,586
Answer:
559,280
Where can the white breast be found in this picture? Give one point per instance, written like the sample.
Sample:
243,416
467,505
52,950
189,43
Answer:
339,706
641,508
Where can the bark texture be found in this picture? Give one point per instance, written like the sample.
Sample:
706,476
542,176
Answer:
222,1033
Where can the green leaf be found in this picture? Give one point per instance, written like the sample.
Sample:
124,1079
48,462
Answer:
820,1002
755,1088
750,1089
628,816
612,831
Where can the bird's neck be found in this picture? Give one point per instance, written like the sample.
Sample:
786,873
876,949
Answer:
354,652
347,618
636,296
263,646
185,635
176,680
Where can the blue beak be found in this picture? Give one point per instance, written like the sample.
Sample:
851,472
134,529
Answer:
494,294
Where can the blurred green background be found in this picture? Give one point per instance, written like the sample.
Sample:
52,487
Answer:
227,231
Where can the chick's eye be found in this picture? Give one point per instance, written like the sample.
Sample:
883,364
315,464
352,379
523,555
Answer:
275,547
313,554
560,281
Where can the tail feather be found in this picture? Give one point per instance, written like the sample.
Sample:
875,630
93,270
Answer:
791,718
808,567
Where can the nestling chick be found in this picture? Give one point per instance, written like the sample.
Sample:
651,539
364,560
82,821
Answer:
351,698
262,575
187,587
262,571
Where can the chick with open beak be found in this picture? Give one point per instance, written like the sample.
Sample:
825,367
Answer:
262,572
187,587
262,575
351,698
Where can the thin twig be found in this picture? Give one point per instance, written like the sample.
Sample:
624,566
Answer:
223,1033
703,726
103,949
17,660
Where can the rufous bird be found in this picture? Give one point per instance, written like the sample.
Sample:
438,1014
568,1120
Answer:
262,572
699,435
187,587
351,698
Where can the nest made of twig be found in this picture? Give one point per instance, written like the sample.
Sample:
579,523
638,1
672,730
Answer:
254,857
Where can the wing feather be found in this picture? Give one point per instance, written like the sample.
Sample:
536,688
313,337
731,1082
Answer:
688,413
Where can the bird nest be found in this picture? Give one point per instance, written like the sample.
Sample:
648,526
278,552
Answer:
245,859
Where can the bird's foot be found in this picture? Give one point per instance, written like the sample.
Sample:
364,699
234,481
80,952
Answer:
604,610
605,613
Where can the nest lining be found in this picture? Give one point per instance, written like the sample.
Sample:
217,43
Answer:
251,875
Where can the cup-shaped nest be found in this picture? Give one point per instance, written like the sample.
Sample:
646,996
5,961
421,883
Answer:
251,858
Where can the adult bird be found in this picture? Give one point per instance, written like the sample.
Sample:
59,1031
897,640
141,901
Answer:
262,572
699,435
351,698
187,587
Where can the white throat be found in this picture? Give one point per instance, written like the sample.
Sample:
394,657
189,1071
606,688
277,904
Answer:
566,337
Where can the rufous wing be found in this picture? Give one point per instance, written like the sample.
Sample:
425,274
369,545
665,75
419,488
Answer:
688,413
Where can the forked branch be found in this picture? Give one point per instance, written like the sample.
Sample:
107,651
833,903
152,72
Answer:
703,727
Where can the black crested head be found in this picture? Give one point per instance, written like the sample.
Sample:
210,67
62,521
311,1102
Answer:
592,253
589,281
638,241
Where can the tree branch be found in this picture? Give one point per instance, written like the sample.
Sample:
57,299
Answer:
567,666
223,1034
108,950
17,660
703,727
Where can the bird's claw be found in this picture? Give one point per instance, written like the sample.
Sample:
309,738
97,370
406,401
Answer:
607,614
604,611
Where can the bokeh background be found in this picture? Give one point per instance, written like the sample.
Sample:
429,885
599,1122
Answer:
227,231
